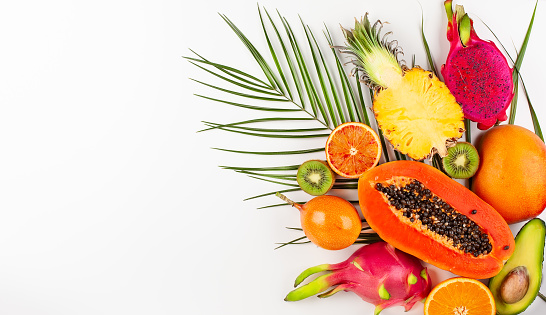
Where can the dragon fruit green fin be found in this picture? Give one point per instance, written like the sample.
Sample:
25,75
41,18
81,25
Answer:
310,271
318,285
412,279
383,293
424,274
378,309
464,29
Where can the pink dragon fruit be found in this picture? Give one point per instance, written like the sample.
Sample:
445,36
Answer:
476,72
378,273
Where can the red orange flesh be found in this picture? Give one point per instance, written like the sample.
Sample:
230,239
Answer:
352,149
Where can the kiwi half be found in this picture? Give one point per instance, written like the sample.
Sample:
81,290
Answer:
462,161
315,177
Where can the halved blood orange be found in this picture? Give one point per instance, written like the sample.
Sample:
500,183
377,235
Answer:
460,296
352,149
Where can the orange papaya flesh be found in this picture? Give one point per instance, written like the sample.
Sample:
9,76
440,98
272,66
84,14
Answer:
445,225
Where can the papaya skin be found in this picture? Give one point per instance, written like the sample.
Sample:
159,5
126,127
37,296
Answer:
383,220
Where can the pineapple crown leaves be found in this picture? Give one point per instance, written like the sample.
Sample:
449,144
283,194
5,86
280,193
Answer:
376,58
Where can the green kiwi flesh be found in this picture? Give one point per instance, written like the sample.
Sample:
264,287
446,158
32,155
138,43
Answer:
462,161
315,177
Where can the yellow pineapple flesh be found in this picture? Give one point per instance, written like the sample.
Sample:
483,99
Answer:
419,115
415,110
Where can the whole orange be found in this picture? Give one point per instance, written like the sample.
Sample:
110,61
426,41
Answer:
512,172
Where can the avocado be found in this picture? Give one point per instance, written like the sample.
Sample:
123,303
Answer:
516,286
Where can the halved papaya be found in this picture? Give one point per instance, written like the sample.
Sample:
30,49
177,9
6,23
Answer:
423,212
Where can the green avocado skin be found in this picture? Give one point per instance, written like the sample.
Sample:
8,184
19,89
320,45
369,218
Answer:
529,252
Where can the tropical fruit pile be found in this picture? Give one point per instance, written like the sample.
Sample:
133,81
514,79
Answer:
421,210
412,208
418,209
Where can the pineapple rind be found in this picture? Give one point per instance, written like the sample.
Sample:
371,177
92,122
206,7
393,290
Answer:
419,116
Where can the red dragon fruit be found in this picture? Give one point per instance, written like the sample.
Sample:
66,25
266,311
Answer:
378,273
476,72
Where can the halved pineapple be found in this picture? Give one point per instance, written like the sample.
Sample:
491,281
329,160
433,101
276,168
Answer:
419,114
415,110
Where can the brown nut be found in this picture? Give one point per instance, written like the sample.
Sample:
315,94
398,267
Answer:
515,285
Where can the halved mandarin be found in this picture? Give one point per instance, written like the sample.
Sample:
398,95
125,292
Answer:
352,149
460,296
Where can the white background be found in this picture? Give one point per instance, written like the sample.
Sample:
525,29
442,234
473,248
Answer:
112,203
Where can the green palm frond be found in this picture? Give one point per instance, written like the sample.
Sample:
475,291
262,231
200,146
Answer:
273,193
261,120
542,296
269,133
236,74
382,137
366,236
270,169
536,123
354,202
287,177
517,75
348,94
427,48
234,125
293,85
304,151
517,66
275,181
